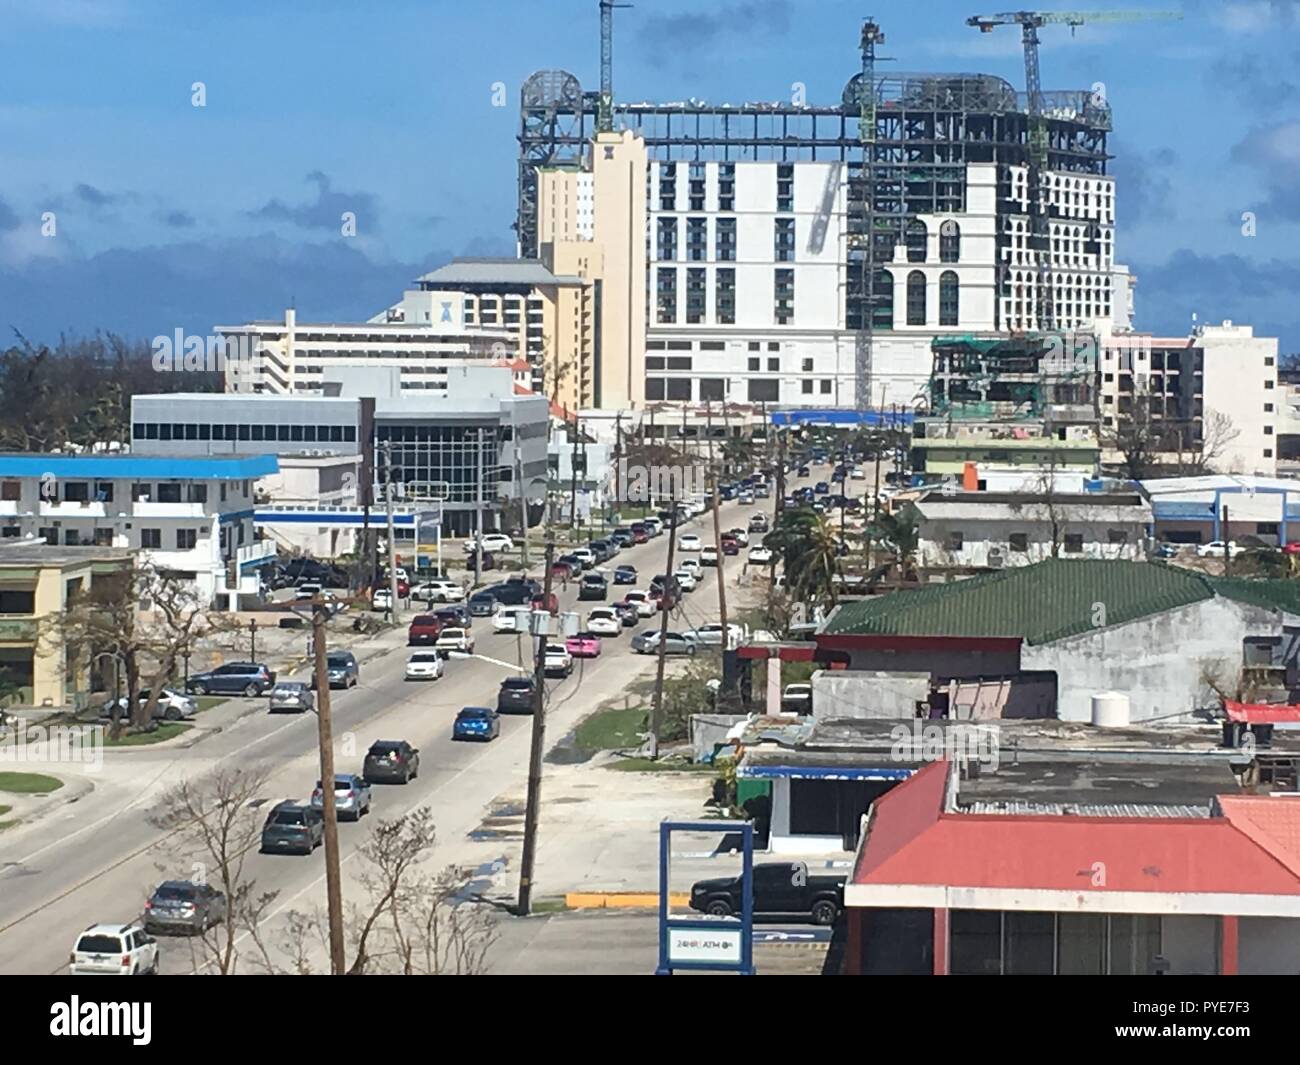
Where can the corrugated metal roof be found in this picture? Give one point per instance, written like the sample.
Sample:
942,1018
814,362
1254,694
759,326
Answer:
1041,603
1272,595
1056,809
496,271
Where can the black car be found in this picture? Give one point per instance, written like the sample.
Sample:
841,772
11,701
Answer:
601,549
822,488
513,593
298,570
804,471
391,762
234,678
183,906
293,827
450,617
780,889
516,695
628,613
482,604
593,586
341,668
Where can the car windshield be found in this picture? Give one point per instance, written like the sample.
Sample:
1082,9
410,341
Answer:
99,944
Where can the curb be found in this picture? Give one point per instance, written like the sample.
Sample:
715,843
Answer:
610,900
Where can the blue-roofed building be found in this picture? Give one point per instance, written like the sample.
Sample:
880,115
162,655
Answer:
190,516
1202,510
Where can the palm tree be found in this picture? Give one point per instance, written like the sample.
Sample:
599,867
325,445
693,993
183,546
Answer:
808,546
900,534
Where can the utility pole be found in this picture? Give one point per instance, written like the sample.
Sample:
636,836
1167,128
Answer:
534,799
717,533
523,499
780,472
618,457
656,713
478,512
325,733
644,450
252,640
574,430
392,536
1227,543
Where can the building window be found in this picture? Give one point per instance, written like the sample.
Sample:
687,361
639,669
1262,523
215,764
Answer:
783,305
882,303
151,538
753,365
725,237
826,386
955,541
104,491
11,491
667,304
654,388
948,309
667,239
807,386
667,186
949,242
784,251
807,365
1268,408
774,365
679,388
169,492
916,237
697,239
916,298
197,493
76,492
725,296
1117,536
50,535
696,295
764,391
713,389
1268,430
186,539
1073,543
1019,541
1268,452
785,187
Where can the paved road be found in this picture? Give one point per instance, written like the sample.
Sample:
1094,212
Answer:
97,859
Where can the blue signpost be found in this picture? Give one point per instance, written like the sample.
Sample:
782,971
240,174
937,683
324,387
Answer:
698,942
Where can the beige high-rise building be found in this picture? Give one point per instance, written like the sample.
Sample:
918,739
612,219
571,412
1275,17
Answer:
592,223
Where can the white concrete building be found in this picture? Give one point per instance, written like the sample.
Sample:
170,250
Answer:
1191,510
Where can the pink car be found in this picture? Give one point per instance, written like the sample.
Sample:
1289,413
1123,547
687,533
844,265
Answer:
584,645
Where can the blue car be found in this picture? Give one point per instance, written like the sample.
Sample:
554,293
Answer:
822,488
625,575
476,723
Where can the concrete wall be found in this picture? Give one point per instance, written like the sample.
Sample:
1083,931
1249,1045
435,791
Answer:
1190,944
709,730
1268,946
1157,661
874,694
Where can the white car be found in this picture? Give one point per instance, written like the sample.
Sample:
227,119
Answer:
382,599
688,542
645,606
604,621
505,619
585,555
439,591
491,542
760,556
741,535
654,525
698,507
454,639
114,950
709,556
1216,549
692,566
304,593
557,662
745,498
711,635
424,665
858,473
686,580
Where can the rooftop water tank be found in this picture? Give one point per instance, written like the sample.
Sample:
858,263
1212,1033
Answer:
1110,710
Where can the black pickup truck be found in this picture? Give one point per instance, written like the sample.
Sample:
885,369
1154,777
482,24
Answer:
780,889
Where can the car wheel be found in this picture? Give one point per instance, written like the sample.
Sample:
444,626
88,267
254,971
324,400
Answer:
719,908
252,690
825,912
171,714
198,689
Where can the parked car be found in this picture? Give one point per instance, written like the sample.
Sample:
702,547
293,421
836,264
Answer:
438,591
711,635
688,542
295,695
562,570
307,591
730,546
351,796
183,906
506,619
390,762
709,556
342,670
1216,549
745,498
455,639
758,523
292,827
483,604
760,556
604,621
741,536
585,555
822,488
641,600
424,665
583,645
381,599
693,566
114,950
804,471
761,491
629,613
779,889
625,575
424,629
516,695
557,661
476,723
171,705
647,642
490,542
797,698
593,586
1165,550
234,678
640,533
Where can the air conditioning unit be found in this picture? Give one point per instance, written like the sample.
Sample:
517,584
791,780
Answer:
996,558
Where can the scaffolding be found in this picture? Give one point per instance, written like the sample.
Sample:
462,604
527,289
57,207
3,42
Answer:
1028,377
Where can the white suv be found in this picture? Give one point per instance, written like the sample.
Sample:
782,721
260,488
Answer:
114,950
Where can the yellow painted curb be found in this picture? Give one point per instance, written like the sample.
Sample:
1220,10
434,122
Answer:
608,900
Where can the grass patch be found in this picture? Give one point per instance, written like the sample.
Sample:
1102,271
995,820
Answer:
7,824
165,731
607,730
649,765
549,906
28,784
207,702
4,810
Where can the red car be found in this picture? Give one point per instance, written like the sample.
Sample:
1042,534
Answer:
541,602
730,546
1292,547
583,645
562,570
424,629
640,533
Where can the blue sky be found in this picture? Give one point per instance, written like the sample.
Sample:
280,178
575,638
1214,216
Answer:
169,215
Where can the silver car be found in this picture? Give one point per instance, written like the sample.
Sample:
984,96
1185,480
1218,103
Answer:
292,695
171,705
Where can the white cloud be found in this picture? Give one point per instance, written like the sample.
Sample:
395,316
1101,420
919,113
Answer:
1256,16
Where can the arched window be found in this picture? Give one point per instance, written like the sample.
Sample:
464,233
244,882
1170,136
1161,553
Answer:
883,304
949,242
948,308
916,298
917,238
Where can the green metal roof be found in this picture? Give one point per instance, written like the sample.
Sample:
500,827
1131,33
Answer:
1042,603
1271,594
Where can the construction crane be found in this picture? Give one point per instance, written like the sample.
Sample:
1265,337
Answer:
1030,22
871,36
605,111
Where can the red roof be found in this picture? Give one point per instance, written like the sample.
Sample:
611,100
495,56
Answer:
1260,713
913,841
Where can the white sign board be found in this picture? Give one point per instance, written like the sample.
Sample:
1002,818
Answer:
707,944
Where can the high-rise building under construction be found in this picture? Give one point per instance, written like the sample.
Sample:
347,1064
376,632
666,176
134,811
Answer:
807,255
